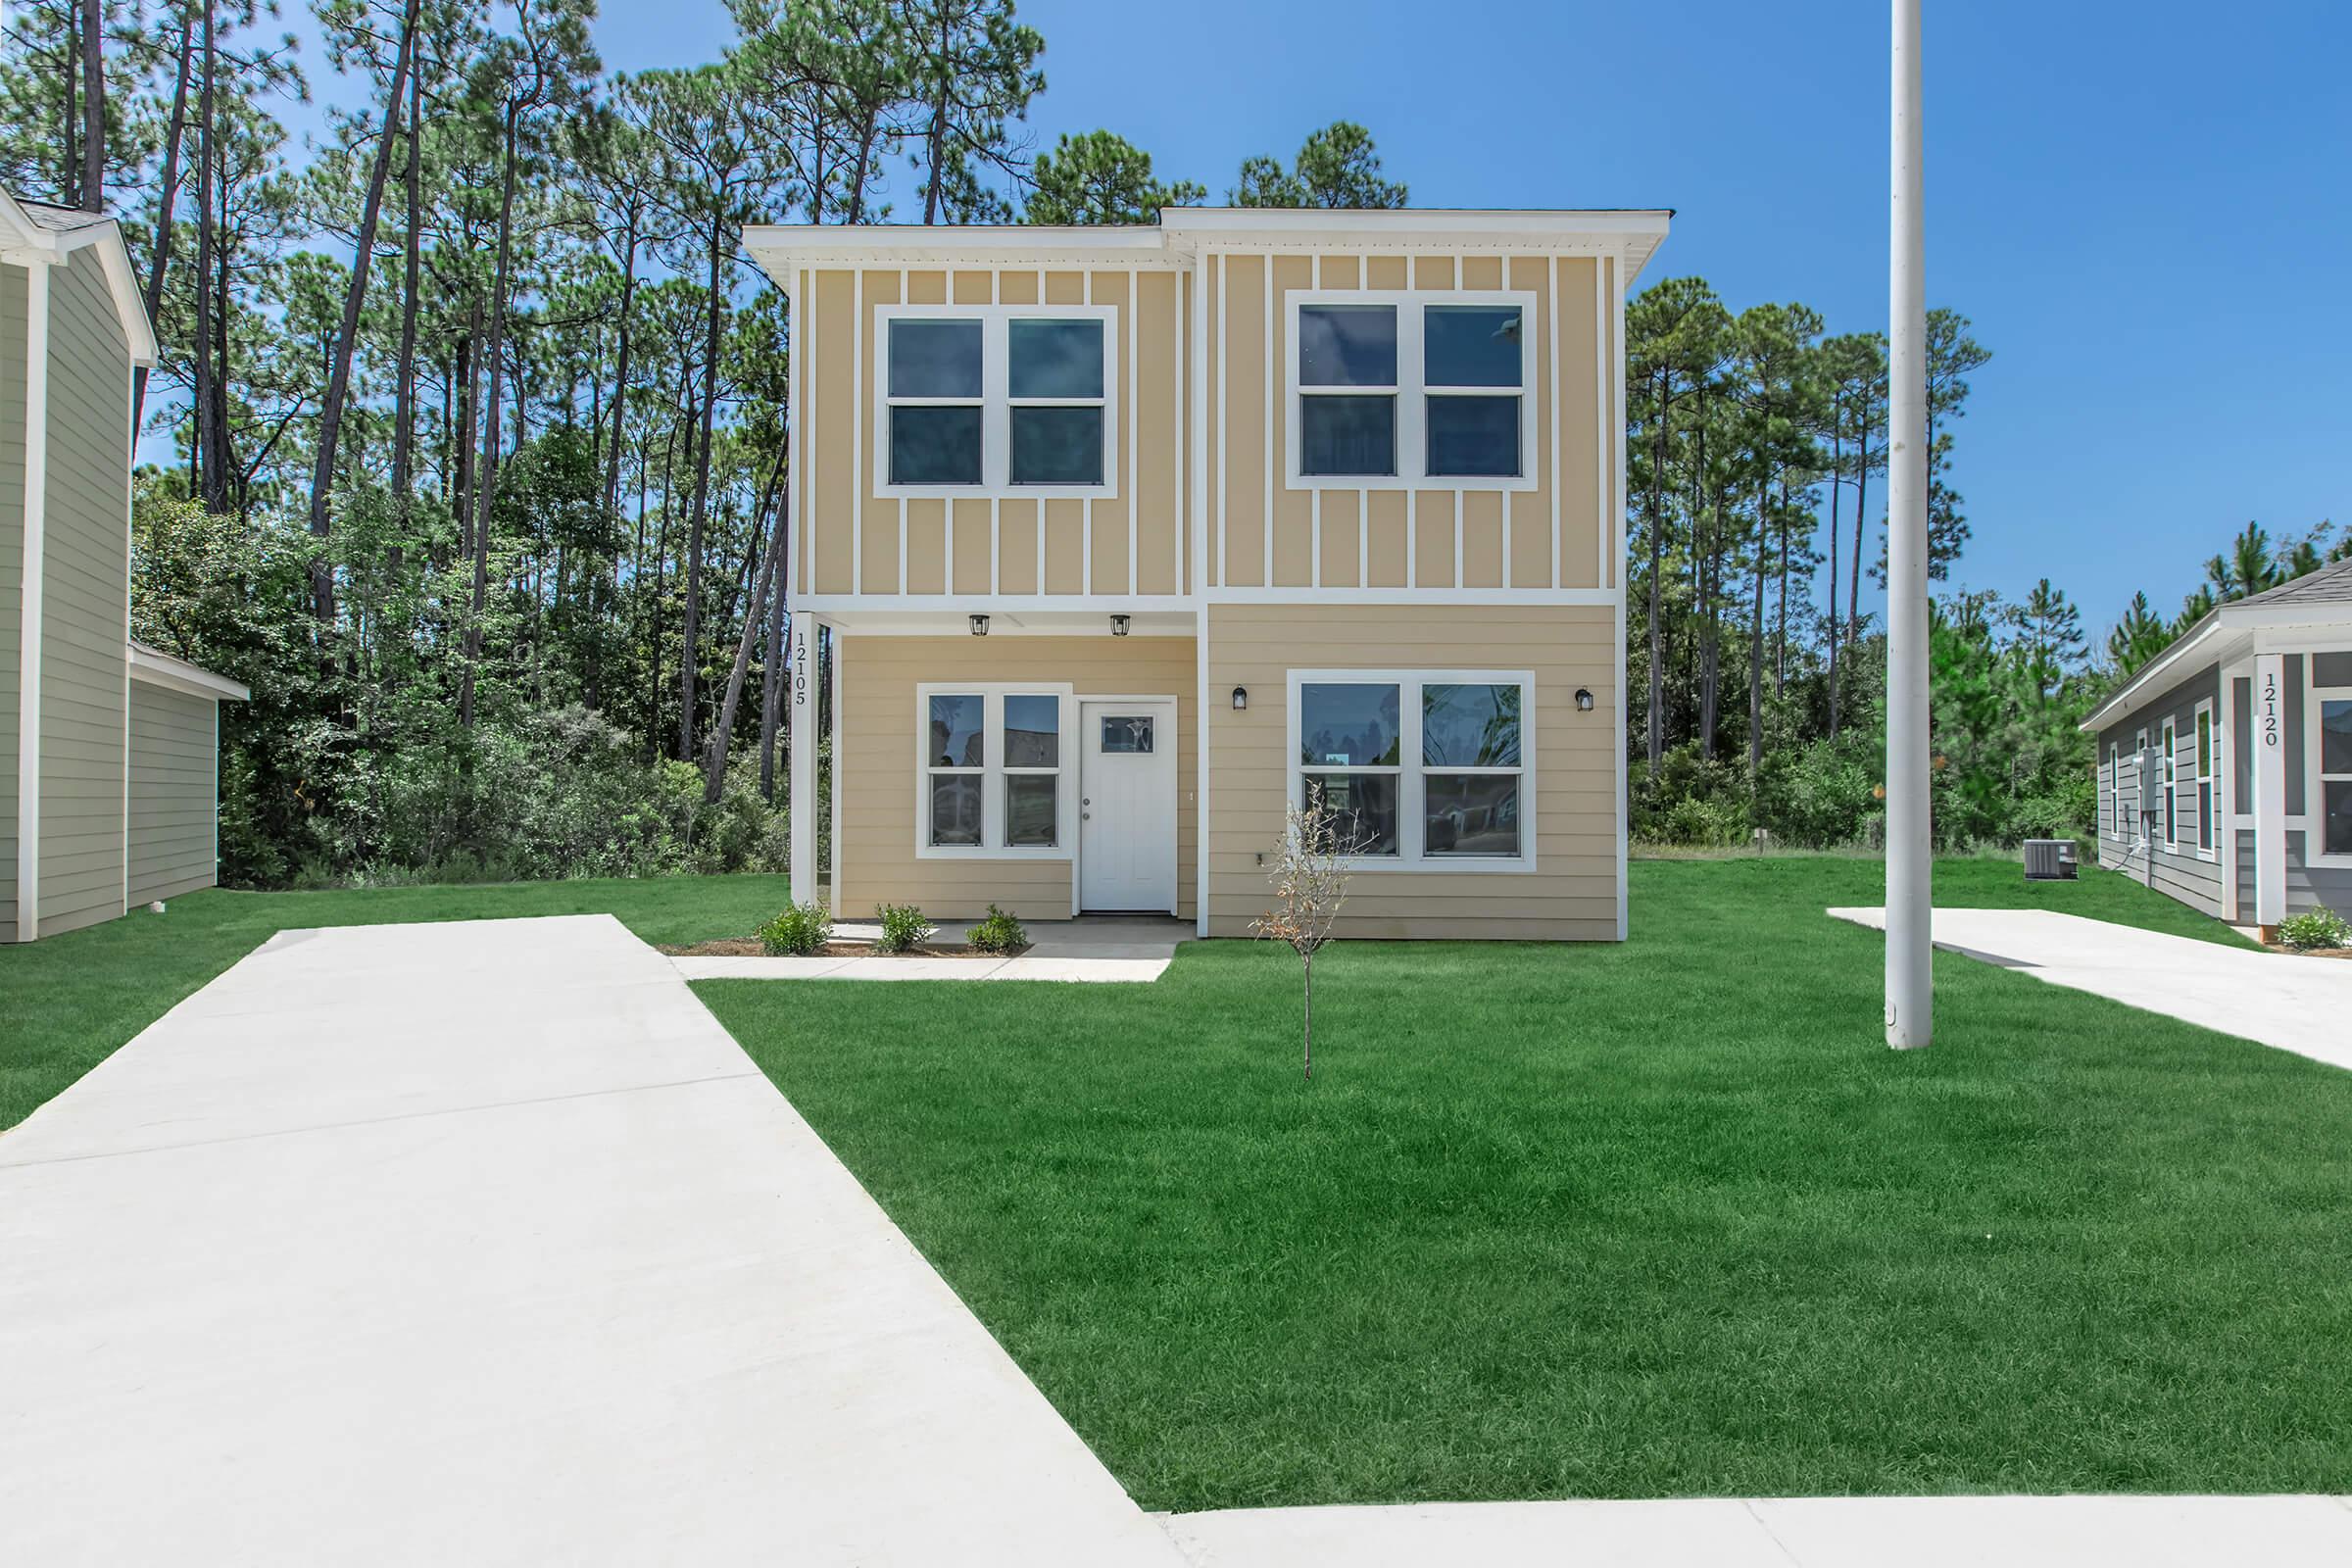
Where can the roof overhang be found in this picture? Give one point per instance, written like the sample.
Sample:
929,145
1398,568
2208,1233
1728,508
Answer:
1183,232
26,242
158,668
2226,634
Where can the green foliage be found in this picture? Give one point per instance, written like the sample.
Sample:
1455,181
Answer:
1337,168
903,927
799,931
1101,178
997,932
2319,929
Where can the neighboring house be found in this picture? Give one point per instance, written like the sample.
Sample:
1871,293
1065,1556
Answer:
1245,502
107,749
2226,762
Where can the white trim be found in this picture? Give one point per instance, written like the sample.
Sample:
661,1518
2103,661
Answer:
37,505
2315,791
808,410
2168,777
1412,773
1175,771
33,244
130,376
996,404
2205,738
1201,710
1413,596
1130,478
1224,416
155,668
2269,789
991,773
1265,423
1411,392
860,345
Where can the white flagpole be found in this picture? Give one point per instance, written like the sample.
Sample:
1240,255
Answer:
1910,900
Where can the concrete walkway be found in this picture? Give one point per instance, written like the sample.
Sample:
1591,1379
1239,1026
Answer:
1786,1533
484,1243
1094,948
2297,1005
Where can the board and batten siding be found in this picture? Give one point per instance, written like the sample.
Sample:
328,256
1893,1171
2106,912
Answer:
86,602
173,793
1264,534
855,540
12,576
878,743
1572,894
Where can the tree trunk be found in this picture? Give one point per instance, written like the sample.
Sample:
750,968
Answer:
1780,650
404,377
1306,1016
1755,641
702,499
339,377
93,108
211,460
715,762
166,201
1837,476
1657,570
935,140
621,369
1853,581
771,686
486,485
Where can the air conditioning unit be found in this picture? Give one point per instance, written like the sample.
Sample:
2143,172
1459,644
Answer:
2050,861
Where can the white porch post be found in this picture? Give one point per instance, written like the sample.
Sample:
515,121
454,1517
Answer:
1910,904
800,736
2269,789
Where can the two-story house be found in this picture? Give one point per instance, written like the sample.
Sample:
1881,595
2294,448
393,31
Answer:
1125,537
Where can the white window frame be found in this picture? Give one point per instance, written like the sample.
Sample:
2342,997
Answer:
997,402
2115,789
2205,780
2315,783
1411,391
2171,783
993,772
2139,787
1411,773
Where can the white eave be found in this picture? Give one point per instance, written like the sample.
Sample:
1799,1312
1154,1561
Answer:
2226,634
26,242
158,668
1182,233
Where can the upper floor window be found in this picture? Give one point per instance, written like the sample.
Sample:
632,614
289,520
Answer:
1392,390
1003,399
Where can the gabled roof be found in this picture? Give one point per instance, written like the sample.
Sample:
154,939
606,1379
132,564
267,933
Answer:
42,233
158,668
2329,585
2320,599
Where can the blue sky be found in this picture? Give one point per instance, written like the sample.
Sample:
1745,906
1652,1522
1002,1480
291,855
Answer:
2145,208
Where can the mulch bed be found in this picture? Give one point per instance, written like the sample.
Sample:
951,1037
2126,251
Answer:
2312,953
748,947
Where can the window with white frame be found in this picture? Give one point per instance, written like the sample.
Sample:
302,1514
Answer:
2115,790
996,400
1424,769
2172,785
992,780
1391,390
2136,806
2331,746
2205,777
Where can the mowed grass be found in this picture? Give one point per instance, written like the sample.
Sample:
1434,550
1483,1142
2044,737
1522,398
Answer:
69,1001
1665,1218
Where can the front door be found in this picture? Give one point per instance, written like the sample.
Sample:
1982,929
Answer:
1127,805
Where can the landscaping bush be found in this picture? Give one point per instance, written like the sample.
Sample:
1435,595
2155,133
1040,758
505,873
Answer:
903,927
800,931
999,932
2321,928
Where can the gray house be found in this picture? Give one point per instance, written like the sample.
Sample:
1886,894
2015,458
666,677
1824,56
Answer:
2226,763
109,778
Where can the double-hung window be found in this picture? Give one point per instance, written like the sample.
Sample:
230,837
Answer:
991,777
2331,746
2115,790
2171,786
1424,771
2205,777
1011,400
1405,390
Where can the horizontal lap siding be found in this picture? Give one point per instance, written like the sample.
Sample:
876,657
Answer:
12,575
2179,873
1572,895
85,569
879,728
173,797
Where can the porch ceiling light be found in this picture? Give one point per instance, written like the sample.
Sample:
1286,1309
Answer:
1241,697
1118,626
979,625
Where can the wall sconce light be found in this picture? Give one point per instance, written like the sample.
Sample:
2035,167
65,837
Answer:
979,625
1584,700
1118,626
1241,697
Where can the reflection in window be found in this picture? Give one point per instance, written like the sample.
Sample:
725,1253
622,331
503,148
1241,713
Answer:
1031,731
1471,345
1348,435
955,809
935,408
934,359
1470,814
1057,441
1349,346
935,445
955,731
1127,736
1057,445
1029,799
1348,726
1424,769
2335,774
1364,805
1053,359
1470,726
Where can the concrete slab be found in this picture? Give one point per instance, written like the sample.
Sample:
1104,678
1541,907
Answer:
518,1261
2291,1532
2293,1004
1096,949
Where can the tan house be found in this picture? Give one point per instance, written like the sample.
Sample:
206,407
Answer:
108,751
1124,537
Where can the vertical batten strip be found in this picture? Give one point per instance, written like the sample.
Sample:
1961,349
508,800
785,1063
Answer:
1613,574
995,507
1086,508
1315,524
902,500
1130,489
859,342
1551,433
815,524
1266,413
1600,424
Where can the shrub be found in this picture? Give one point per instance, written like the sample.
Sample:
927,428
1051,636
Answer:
2321,928
798,932
903,927
999,932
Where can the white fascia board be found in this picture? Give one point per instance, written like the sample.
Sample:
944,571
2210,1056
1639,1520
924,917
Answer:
2212,642
31,245
780,246
1458,223
177,675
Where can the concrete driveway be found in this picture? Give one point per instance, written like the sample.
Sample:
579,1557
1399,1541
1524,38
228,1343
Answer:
2298,1005
483,1243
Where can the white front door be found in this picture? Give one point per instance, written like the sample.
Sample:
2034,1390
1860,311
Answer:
1127,804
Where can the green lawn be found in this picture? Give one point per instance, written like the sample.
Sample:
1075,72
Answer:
67,1001
1654,1220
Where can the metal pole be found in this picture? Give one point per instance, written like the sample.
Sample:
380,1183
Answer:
1910,901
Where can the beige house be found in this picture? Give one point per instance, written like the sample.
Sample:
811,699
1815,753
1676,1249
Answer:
1123,537
108,751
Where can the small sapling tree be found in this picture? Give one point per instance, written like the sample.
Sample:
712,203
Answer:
1310,875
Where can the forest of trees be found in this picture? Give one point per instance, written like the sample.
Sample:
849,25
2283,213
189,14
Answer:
467,434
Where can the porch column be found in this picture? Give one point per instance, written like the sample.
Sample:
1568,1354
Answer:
2269,790
800,731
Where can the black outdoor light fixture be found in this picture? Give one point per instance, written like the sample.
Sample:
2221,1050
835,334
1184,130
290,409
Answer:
979,625
1118,626
1584,699
1241,697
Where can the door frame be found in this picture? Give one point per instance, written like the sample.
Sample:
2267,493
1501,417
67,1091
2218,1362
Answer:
1086,700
